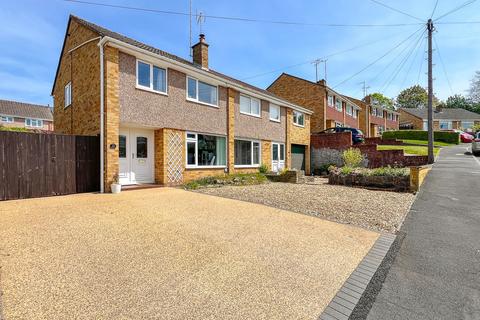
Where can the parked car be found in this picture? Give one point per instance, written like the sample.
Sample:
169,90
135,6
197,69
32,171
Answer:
357,134
464,136
476,145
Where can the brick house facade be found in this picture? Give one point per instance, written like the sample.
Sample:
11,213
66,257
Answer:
167,120
330,109
443,119
15,114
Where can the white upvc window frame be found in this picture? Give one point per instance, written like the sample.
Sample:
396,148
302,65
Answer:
38,123
332,98
293,118
349,110
355,113
195,140
6,119
336,105
448,122
251,99
150,88
275,106
252,165
67,95
196,92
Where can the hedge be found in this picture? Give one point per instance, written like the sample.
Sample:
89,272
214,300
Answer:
445,136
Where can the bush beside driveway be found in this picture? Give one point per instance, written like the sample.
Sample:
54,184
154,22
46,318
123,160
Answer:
169,254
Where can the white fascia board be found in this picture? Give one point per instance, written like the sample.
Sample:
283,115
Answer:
198,73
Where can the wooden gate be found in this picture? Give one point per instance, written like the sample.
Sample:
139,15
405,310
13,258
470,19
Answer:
38,165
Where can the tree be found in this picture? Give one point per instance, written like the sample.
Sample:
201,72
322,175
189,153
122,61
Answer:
380,100
458,101
474,91
414,97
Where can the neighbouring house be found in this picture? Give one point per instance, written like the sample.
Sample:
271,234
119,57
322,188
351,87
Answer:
25,115
375,119
330,108
443,118
166,120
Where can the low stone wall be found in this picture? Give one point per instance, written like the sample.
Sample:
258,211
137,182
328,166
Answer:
291,176
417,176
399,184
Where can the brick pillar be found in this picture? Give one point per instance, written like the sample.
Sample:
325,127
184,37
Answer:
267,153
288,146
307,159
159,156
232,94
112,113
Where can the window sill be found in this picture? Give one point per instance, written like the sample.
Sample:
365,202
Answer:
275,120
151,90
246,166
204,167
298,125
250,114
66,107
203,103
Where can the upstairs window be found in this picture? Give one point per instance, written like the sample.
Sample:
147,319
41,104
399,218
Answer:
298,118
68,95
330,101
34,123
338,104
349,110
202,92
249,105
274,112
151,77
6,119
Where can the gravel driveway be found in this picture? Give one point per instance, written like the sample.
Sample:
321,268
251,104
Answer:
376,210
169,254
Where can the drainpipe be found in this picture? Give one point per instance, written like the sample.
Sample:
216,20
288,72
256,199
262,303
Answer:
102,187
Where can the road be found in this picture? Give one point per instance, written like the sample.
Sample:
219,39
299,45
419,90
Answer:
436,274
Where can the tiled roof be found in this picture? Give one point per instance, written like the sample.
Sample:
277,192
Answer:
25,110
108,33
445,114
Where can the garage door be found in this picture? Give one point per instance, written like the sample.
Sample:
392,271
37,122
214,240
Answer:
298,157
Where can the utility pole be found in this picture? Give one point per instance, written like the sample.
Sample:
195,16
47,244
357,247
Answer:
430,29
316,63
365,88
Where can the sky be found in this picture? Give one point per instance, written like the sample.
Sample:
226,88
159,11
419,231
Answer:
32,32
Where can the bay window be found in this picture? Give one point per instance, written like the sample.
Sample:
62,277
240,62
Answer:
247,153
205,150
199,91
298,118
249,105
151,77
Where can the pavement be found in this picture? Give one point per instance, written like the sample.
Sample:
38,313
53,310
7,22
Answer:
436,274
167,253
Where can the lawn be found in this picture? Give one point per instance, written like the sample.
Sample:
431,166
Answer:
425,142
413,150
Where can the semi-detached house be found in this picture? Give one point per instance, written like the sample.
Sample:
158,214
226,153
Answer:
167,120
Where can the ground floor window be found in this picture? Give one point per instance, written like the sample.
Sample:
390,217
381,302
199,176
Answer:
425,125
247,153
205,150
445,125
467,124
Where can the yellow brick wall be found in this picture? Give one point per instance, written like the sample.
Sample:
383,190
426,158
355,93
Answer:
231,130
267,153
112,113
298,135
81,67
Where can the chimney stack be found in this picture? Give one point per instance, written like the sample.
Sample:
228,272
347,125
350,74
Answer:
322,82
200,52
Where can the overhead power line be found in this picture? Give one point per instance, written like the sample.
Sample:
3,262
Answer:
443,65
323,57
280,22
459,22
419,49
396,10
434,8
463,5
380,58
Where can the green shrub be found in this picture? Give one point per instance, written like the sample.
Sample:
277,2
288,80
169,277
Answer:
229,179
346,170
445,136
352,158
389,171
16,129
263,168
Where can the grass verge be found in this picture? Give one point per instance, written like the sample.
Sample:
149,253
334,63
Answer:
424,143
413,150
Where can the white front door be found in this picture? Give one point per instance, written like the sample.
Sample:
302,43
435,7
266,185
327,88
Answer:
278,156
136,156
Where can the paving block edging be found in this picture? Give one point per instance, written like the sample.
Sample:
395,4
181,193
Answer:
348,297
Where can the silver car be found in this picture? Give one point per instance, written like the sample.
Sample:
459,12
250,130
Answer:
476,145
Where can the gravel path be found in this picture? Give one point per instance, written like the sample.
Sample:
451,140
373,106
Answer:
377,210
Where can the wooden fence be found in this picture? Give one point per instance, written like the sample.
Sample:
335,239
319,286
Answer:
39,165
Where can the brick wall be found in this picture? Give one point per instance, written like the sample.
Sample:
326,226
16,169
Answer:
304,93
406,117
82,69
339,141
298,135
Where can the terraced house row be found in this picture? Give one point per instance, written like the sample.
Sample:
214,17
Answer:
163,119
332,109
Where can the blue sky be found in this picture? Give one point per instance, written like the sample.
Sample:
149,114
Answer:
32,31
